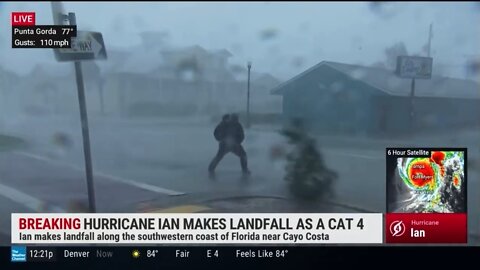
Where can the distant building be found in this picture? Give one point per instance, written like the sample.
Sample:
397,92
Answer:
171,80
51,88
340,98
194,63
265,80
146,80
8,79
9,89
191,79
261,100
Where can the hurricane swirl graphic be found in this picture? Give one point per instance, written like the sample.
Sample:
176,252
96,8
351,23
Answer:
397,228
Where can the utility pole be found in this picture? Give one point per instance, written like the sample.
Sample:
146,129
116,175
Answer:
249,66
430,36
84,121
412,86
101,85
412,104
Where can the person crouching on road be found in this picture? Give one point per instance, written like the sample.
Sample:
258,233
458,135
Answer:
230,135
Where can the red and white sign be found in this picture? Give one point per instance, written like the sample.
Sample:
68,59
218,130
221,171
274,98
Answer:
424,228
23,18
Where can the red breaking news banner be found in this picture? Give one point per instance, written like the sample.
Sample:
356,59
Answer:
23,18
201,228
426,195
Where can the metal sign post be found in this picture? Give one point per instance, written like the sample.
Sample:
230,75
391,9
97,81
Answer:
249,66
414,67
84,120
412,104
85,46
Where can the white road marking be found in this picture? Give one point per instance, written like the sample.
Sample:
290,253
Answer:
137,184
141,185
28,201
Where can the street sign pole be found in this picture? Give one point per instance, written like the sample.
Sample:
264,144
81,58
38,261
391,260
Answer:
84,121
412,104
414,67
249,66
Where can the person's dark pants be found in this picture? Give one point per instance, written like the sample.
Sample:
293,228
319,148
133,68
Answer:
237,149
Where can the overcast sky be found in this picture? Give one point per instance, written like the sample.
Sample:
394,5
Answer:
280,38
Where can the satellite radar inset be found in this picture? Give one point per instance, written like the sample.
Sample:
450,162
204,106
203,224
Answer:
435,184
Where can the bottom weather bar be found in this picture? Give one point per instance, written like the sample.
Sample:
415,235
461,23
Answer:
194,255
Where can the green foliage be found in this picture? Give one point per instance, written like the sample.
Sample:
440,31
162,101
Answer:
306,173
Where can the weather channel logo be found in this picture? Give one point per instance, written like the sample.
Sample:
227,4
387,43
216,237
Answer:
19,254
